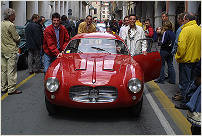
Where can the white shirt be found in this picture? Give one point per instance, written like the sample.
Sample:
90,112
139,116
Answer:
136,34
121,30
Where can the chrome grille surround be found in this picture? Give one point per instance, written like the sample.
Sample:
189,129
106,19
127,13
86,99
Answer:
88,94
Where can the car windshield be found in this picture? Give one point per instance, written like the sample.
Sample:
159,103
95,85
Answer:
96,45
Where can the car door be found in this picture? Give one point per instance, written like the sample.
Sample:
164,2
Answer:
150,63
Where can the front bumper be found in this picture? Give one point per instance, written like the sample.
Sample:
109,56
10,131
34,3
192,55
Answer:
94,98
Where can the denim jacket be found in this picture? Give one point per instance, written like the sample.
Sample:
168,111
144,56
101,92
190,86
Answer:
195,102
194,105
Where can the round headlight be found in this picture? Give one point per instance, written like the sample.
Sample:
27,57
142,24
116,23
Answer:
52,84
134,85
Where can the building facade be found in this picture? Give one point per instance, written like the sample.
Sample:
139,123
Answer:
100,10
25,9
153,10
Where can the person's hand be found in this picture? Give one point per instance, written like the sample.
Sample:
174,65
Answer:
60,55
173,52
159,43
144,52
118,49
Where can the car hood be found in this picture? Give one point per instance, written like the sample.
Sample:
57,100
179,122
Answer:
98,69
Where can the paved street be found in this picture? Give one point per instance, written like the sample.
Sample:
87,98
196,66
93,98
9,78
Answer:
26,114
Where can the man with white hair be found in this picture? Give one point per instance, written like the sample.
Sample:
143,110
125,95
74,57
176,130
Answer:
9,50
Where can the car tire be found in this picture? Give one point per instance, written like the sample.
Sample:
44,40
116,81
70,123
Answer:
136,110
51,108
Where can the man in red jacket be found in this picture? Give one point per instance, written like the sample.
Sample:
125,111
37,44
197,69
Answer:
149,32
56,38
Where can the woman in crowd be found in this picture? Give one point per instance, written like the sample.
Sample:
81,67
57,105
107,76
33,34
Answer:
166,44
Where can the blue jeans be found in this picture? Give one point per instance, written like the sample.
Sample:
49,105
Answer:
47,61
185,76
167,58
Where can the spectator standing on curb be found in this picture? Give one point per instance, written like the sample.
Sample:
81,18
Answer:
194,104
73,28
149,32
174,50
164,17
41,22
34,37
158,31
56,38
9,50
166,44
65,22
188,53
42,28
132,34
120,23
87,26
77,25
124,26
95,20
114,26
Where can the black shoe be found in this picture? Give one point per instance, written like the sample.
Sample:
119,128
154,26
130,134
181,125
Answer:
15,92
159,81
31,72
3,92
181,106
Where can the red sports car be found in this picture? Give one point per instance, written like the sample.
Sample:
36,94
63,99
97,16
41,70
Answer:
96,71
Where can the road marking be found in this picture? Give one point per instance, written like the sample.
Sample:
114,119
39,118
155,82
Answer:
21,83
174,113
161,117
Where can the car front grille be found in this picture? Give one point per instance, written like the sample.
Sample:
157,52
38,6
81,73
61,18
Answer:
88,94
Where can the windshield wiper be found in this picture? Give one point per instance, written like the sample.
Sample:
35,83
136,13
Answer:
100,49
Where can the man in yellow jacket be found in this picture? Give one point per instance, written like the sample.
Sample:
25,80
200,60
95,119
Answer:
188,52
87,26
138,21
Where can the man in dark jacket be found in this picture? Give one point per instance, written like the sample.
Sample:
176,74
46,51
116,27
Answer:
33,35
114,26
65,22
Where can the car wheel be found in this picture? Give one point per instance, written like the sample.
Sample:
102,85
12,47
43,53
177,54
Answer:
136,110
51,108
